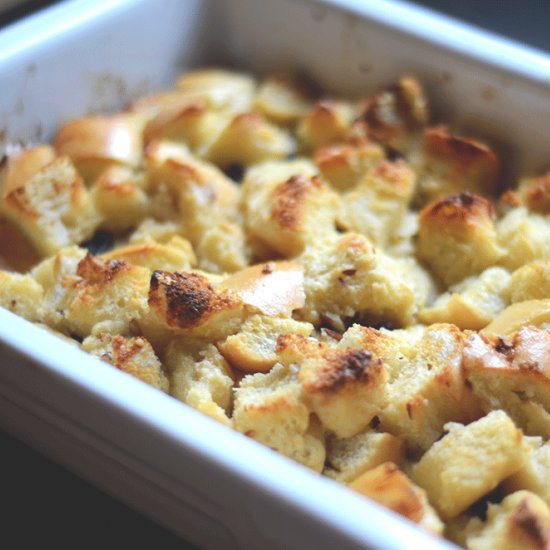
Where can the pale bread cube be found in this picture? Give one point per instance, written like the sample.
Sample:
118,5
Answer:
348,458
269,408
21,294
513,374
204,382
472,303
530,282
524,236
469,462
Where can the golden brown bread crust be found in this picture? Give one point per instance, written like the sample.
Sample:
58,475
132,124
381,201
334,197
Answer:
185,300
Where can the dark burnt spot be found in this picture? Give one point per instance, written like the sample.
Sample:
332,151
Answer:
349,272
267,269
188,296
504,347
331,334
375,422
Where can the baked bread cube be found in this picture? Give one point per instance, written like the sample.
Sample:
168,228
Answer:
223,249
520,522
389,486
327,122
151,229
348,458
376,205
472,303
535,471
427,385
254,347
345,388
287,206
513,374
97,142
534,192
174,255
344,165
132,355
230,91
53,209
457,237
248,139
83,293
469,462
282,98
346,277
396,115
203,381
269,409
530,282
120,198
197,193
452,164
20,164
534,313
524,237
21,294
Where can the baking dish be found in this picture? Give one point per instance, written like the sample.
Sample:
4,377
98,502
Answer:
211,485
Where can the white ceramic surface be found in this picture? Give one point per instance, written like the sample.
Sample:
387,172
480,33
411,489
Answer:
212,485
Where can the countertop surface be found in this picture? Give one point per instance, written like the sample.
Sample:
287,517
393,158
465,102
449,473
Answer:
42,501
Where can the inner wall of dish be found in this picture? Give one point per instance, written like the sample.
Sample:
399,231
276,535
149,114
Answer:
103,63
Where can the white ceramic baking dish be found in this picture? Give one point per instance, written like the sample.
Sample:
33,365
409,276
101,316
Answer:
211,485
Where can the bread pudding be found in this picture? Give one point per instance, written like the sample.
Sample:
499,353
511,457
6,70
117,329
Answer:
347,282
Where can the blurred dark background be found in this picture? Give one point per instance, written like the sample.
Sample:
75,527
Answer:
42,501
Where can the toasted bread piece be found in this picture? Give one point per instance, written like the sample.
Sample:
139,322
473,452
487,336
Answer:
513,374
254,348
223,249
520,522
204,383
457,237
97,142
269,408
344,165
287,206
327,122
396,115
196,192
120,198
452,164
426,381
472,303
83,293
248,139
132,355
469,462
530,282
348,458
524,237
53,209
534,472
534,192
389,486
376,205
21,294
16,251
344,387
347,277
283,98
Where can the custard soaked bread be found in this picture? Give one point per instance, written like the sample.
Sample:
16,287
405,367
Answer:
349,283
